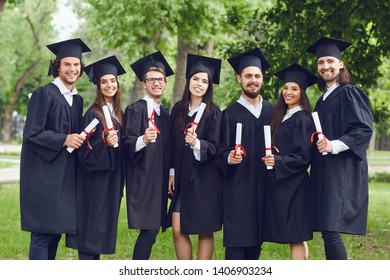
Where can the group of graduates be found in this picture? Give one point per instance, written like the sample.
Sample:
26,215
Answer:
214,174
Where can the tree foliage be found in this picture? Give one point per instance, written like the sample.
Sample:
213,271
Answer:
285,30
25,30
175,27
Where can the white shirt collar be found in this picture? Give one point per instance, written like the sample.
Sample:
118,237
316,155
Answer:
156,106
256,111
330,90
291,112
63,89
68,94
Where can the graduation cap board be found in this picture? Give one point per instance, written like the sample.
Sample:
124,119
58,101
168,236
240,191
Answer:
198,63
142,66
108,65
297,74
327,46
69,48
254,57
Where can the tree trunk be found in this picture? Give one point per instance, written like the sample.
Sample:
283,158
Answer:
9,108
137,92
2,6
208,47
181,60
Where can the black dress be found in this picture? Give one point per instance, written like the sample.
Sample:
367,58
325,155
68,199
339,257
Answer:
244,184
339,183
100,181
147,171
198,184
47,169
287,212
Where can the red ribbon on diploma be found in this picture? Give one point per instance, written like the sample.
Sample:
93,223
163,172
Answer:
316,133
190,124
236,148
86,133
151,119
272,147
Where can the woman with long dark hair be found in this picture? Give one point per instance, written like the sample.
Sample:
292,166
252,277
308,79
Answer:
100,178
196,188
287,219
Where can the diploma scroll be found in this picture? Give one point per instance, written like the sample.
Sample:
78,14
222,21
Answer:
318,127
107,117
238,137
86,131
267,141
150,114
199,114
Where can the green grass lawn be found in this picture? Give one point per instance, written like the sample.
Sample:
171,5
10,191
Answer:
374,246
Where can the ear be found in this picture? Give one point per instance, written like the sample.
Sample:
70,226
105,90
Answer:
238,77
143,85
341,64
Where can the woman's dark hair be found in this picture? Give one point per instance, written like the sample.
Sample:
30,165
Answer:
116,103
55,65
281,109
343,78
185,103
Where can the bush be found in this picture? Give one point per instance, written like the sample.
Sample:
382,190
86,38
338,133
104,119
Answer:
381,177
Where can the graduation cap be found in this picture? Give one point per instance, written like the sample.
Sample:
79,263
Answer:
297,74
142,66
198,63
69,48
254,57
108,65
326,46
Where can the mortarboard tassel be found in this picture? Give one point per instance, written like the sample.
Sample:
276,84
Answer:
49,71
276,94
91,76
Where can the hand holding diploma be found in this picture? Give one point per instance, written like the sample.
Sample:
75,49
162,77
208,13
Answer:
322,143
110,126
191,137
82,135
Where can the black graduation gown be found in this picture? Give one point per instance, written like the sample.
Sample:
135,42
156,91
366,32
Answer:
198,184
47,169
147,171
339,183
100,181
244,184
287,212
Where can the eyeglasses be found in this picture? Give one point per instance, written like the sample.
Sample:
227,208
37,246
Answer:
153,80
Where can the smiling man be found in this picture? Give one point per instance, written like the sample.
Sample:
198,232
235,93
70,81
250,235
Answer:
147,155
244,176
339,180
47,169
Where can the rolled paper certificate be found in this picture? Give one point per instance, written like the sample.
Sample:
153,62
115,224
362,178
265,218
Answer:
149,103
267,141
199,114
238,137
107,116
318,127
86,131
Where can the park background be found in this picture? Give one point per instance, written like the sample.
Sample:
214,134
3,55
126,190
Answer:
131,29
